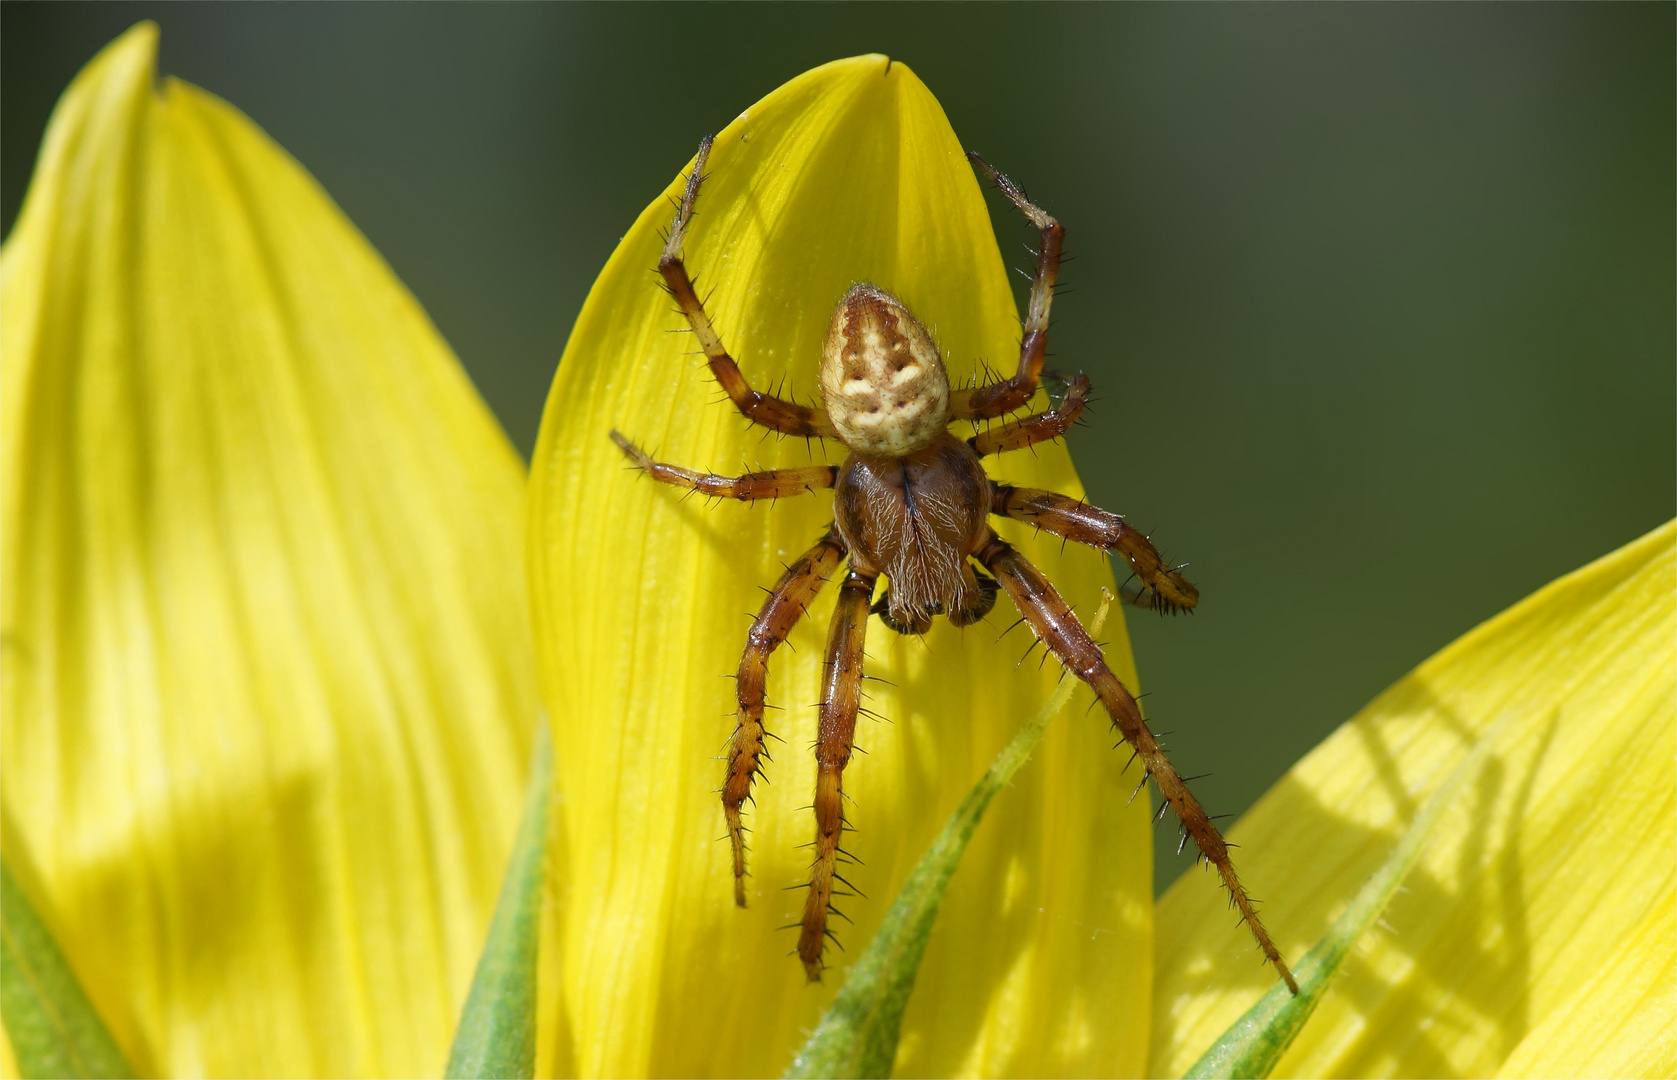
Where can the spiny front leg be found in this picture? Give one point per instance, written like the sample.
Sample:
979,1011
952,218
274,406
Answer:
787,602
1164,589
765,409
997,399
770,484
1057,627
841,698
1030,430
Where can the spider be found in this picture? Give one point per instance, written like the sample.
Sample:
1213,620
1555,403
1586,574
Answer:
911,504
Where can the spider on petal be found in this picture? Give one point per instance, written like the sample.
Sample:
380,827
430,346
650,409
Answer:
911,504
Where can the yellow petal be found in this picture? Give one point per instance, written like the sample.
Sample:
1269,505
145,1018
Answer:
1535,935
1040,962
1618,1020
268,686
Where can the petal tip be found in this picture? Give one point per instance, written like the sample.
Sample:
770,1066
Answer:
134,47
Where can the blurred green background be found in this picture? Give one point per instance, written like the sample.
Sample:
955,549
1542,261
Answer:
1378,299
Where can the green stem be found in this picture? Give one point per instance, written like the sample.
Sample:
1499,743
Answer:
497,1032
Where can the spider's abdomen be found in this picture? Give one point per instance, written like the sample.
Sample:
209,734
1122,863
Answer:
916,519
882,378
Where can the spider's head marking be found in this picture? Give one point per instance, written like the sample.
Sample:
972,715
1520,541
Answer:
882,377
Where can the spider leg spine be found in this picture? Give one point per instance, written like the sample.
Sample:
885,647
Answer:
1054,623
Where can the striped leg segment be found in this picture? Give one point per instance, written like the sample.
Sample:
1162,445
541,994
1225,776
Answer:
771,412
1163,588
787,602
841,698
1057,627
986,402
1030,430
771,484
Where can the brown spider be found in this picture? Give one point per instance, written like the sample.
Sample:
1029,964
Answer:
911,503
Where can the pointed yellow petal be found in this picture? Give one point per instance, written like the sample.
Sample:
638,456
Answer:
1535,934
1039,963
268,688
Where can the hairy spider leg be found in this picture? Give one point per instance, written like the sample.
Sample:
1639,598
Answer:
997,399
1053,622
1082,523
841,699
770,484
767,410
1038,427
787,602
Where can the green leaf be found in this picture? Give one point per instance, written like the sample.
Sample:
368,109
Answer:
857,1035
1254,1043
53,1027
497,1032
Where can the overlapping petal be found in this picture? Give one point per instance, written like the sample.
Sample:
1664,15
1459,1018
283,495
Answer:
1535,937
1040,962
268,683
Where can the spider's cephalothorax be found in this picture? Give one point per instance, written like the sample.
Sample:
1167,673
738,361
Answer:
912,504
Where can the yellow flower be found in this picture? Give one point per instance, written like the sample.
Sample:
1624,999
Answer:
269,689
1537,934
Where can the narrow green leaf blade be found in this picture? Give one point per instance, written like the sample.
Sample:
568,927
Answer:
54,1029
1253,1044
857,1035
497,1032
